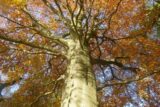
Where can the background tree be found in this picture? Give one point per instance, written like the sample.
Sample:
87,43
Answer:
77,53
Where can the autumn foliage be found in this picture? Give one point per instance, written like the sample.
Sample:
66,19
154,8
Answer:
120,37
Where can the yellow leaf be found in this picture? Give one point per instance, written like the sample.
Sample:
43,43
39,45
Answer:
18,2
12,2
143,94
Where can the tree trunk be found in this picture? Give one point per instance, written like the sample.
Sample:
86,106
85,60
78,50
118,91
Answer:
80,86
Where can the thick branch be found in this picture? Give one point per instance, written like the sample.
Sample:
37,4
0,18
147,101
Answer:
4,37
43,31
128,81
107,63
30,52
40,29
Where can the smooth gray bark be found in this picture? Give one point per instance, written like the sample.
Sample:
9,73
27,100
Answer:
80,86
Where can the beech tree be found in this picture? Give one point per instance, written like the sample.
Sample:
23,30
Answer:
80,53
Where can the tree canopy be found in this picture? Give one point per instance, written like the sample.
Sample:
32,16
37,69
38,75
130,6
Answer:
121,36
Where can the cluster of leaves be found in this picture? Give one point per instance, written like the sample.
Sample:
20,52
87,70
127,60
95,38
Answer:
117,33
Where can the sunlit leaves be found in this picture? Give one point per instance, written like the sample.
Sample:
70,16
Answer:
13,2
118,30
